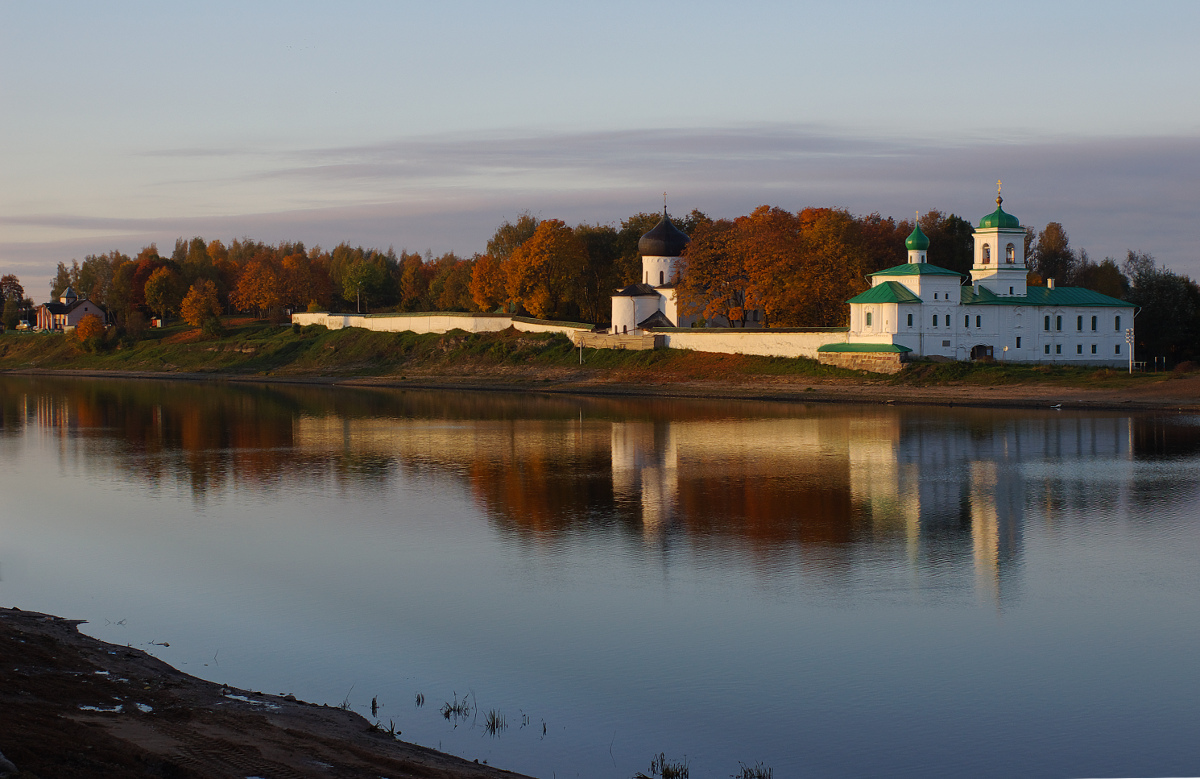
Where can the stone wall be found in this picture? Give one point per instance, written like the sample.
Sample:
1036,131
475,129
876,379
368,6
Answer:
768,343
439,322
638,342
875,362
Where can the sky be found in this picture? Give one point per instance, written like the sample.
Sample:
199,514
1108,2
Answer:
425,125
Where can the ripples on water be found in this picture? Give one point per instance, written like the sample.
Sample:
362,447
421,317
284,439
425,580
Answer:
830,590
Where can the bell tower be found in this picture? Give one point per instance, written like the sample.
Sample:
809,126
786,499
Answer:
1000,253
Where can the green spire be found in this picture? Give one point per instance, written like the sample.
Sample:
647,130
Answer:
917,241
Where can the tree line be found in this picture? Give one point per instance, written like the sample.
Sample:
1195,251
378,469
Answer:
797,268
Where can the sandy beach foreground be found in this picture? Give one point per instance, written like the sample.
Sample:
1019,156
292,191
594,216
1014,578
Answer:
75,706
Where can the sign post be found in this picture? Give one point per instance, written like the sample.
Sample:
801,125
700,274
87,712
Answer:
1129,340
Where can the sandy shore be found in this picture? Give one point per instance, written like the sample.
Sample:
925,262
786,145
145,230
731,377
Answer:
74,706
1168,393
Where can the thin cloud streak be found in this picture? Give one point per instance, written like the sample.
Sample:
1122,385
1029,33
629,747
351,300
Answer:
450,193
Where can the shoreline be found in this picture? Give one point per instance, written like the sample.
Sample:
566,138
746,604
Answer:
1171,394
73,705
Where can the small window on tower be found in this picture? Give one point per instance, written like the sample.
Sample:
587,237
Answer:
987,254
1010,254
661,280
910,320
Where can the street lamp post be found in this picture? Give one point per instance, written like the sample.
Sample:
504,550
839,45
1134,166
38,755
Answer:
1129,340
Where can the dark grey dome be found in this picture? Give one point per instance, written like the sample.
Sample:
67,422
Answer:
665,240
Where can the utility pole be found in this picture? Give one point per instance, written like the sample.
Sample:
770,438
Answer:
1129,340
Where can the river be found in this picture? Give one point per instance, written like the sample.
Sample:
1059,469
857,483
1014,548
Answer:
825,590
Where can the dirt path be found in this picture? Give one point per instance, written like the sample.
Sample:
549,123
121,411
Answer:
74,706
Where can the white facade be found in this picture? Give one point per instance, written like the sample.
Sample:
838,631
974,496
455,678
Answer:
929,310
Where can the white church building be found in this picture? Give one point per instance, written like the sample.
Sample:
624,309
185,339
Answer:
929,311
919,309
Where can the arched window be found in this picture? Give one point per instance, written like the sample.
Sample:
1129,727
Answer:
868,319
1118,323
978,321
967,320
660,277
910,320
935,320
987,253
1093,324
1047,322
947,320
1058,323
1010,254
1079,323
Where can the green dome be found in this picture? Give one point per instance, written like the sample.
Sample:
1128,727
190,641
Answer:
999,218
917,241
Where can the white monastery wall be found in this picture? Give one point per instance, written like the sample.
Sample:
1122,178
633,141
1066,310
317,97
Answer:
768,343
435,323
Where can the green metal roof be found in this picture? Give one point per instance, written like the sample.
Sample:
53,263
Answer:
917,240
917,269
886,292
877,348
1043,296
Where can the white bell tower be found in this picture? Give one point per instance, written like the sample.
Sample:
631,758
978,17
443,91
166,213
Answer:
1000,253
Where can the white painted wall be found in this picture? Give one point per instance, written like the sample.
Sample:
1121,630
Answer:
433,323
769,343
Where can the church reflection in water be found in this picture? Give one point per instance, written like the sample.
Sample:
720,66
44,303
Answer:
949,487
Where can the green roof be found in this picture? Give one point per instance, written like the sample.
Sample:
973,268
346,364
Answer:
917,269
877,348
886,292
1043,296
999,218
917,240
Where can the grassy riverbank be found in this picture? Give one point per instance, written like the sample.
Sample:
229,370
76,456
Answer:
511,359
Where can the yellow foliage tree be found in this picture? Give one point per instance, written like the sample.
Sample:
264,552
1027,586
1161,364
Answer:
201,303
258,287
545,271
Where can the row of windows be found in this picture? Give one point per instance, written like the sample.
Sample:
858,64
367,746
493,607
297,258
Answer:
1010,254
1058,323
1078,348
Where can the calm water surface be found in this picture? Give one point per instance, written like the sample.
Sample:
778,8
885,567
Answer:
833,591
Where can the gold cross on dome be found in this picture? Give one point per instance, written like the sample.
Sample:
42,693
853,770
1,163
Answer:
997,186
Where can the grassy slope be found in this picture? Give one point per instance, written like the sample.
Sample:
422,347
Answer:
256,348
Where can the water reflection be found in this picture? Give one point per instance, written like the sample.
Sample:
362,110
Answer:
947,486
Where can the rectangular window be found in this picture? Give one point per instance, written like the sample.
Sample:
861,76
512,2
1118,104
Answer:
868,319
947,320
910,320
1078,348
978,320
1058,323
1010,290
1093,324
1058,348
967,320
935,320
945,343
1118,323
1079,323
1118,350
1093,348
1047,323
1047,348
935,296
1018,342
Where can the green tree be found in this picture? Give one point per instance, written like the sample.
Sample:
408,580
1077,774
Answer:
162,291
1168,324
602,246
362,280
1053,257
510,235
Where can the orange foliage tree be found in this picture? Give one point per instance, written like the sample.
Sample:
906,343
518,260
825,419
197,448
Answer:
258,287
544,272
488,288
201,304
90,331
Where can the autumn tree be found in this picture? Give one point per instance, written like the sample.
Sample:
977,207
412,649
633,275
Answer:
714,281
258,287
90,332
201,306
10,288
488,286
510,235
162,291
543,273
64,277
